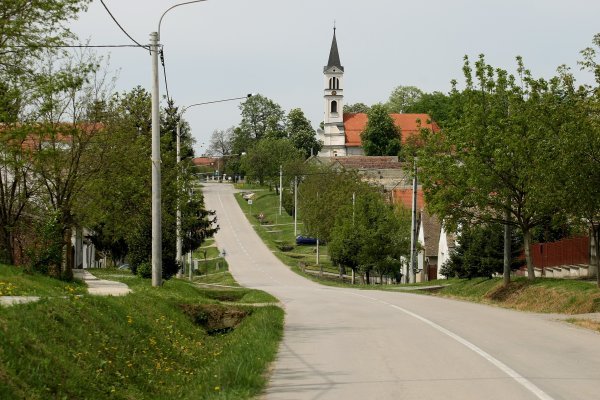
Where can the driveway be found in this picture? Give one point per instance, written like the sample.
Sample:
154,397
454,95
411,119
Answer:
357,344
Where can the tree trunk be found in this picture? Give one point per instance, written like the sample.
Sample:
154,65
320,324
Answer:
527,244
67,270
7,251
507,252
367,277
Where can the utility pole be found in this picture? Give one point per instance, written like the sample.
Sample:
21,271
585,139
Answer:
413,237
156,184
295,206
353,206
178,255
507,249
280,187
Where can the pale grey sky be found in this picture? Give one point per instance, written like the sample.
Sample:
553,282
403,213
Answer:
226,48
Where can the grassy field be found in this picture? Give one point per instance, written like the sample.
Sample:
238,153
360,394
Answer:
174,342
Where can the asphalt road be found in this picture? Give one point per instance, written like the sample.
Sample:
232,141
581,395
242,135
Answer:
358,344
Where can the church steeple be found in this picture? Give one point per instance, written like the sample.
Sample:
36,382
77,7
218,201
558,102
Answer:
334,55
333,134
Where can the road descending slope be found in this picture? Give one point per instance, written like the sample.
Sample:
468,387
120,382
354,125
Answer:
358,344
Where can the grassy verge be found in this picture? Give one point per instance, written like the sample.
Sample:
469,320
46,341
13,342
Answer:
277,231
541,295
151,344
585,323
18,282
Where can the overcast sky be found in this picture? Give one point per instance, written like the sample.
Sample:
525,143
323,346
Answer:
226,48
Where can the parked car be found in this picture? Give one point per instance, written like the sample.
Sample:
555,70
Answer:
306,240
125,267
248,195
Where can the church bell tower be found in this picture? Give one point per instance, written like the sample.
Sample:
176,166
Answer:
333,135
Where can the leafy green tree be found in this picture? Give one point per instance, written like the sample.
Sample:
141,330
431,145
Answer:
369,236
580,150
356,108
488,166
261,117
30,25
263,161
480,252
403,97
322,195
380,137
301,133
438,105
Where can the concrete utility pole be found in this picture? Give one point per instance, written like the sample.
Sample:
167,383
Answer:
179,250
507,249
280,187
295,206
413,237
156,185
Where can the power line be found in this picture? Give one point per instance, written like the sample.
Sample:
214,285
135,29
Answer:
162,60
119,25
66,46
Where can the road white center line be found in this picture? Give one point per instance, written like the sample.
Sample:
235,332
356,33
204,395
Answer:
539,393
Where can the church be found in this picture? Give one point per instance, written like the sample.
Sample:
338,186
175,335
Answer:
341,132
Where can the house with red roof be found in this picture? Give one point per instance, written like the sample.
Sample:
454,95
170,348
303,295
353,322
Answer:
341,131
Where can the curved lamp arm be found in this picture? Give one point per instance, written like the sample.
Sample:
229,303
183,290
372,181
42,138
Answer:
172,7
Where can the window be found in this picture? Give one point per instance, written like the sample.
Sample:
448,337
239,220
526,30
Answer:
334,107
334,83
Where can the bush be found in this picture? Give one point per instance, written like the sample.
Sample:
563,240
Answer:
480,253
46,254
144,270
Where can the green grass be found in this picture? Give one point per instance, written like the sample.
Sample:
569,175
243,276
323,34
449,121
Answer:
211,252
18,282
139,346
277,231
541,295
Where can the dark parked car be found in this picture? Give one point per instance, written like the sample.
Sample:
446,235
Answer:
306,240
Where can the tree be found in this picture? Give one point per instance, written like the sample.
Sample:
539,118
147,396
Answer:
221,142
491,160
66,156
479,252
580,150
356,108
380,137
260,117
438,105
28,26
403,97
301,133
369,236
322,195
262,162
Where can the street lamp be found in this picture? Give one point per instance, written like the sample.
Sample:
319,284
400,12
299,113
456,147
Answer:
179,250
156,185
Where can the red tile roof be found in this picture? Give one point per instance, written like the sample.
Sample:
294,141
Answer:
204,161
354,125
404,197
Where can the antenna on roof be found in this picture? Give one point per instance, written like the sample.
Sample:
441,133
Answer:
334,25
